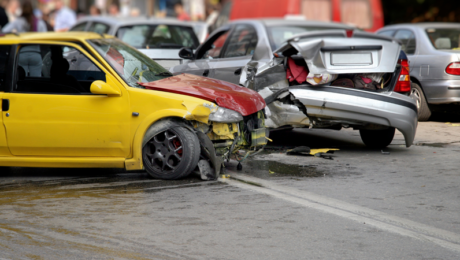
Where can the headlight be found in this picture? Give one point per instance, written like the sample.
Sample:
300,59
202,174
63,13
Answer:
224,115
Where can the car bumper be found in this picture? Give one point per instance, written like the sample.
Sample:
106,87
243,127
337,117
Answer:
441,91
360,107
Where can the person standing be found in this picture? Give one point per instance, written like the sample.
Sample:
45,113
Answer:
65,17
180,12
3,15
12,10
30,58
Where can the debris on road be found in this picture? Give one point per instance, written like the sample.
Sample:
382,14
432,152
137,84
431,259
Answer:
386,153
325,153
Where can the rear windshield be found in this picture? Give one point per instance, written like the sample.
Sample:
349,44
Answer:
444,38
158,36
279,34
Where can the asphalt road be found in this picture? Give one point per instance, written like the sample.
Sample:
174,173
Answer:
364,204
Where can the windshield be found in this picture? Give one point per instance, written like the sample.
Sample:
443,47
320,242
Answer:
280,34
133,66
158,36
444,38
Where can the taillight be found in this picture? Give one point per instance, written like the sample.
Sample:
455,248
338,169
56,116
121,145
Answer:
453,68
403,83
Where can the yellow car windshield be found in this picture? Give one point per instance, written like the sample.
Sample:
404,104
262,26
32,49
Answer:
132,65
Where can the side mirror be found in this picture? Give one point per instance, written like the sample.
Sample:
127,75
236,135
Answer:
186,53
102,88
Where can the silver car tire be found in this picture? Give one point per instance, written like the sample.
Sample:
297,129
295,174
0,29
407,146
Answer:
424,112
377,138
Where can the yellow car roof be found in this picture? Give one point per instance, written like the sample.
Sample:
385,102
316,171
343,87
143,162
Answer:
50,36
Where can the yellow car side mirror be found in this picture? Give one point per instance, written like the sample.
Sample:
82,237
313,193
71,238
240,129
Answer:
101,87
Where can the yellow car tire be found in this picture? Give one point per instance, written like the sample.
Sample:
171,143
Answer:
170,151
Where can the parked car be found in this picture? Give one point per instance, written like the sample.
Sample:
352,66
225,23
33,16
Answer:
94,101
312,74
433,50
364,14
160,39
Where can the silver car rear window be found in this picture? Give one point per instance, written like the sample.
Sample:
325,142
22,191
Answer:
444,38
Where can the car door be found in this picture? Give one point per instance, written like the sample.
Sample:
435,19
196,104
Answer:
52,111
239,48
5,79
205,55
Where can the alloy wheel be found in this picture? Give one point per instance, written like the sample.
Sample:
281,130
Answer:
418,98
165,151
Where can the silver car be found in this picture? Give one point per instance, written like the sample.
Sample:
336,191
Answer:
433,50
329,63
160,39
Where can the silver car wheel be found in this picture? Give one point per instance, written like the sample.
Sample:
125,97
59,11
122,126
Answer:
418,98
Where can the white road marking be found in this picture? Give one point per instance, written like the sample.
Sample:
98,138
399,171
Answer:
377,219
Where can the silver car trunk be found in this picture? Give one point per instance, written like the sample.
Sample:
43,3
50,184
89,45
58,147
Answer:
325,106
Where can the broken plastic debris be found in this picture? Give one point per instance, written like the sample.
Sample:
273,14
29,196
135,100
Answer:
323,150
225,176
271,172
268,139
301,150
387,153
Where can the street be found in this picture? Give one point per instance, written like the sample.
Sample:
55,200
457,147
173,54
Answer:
398,203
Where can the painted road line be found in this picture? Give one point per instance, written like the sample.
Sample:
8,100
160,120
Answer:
353,212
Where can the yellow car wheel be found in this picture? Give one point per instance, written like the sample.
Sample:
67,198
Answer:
170,151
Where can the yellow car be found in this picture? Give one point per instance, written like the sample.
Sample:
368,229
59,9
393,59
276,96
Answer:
89,100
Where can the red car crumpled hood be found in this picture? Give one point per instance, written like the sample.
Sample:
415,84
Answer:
225,94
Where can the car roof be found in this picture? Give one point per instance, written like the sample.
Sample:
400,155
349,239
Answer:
53,36
424,25
121,21
294,22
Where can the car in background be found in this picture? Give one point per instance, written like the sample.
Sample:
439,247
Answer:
96,102
160,39
364,14
314,74
433,50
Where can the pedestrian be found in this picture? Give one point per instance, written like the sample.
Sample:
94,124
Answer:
94,11
114,9
3,15
30,58
12,10
27,22
181,14
65,17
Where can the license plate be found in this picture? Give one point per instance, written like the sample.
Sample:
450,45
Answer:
351,59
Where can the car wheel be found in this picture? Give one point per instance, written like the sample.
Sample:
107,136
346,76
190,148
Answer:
377,138
170,151
424,111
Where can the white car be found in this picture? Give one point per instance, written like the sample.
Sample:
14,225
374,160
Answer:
160,39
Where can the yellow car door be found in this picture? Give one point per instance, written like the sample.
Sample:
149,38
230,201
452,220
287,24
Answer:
52,111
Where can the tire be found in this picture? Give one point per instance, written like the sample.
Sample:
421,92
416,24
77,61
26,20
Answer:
377,138
170,151
424,111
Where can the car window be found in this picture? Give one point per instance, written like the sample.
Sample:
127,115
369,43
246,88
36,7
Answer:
79,27
242,42
407,39
444,38
133,66
387,33
4,56
55,69
213,48
98,28
158,36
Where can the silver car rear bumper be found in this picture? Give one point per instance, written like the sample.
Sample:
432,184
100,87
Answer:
363,107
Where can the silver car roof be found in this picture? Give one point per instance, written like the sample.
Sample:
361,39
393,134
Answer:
283,22
423,25
123,21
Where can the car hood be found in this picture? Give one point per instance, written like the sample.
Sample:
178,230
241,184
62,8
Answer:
225,94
